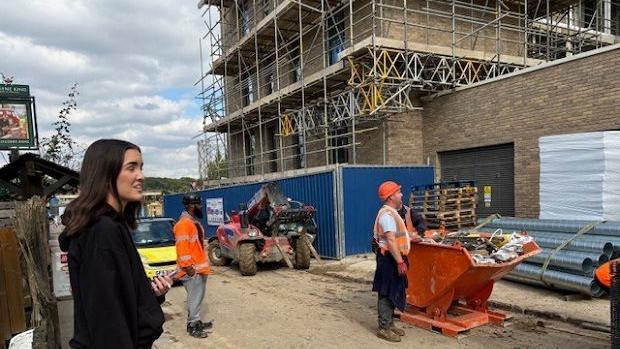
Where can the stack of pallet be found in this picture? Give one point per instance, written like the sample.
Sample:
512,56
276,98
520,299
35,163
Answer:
450,208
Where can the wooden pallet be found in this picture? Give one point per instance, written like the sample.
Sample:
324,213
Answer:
460,219
453,225
451,201
443,196
447,214
450,219
447,223
452,190
445,207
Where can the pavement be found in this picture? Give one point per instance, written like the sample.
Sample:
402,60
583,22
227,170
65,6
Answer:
507,295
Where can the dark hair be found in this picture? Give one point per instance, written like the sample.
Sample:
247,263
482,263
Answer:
102,164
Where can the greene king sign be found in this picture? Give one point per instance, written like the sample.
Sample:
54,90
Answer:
17,118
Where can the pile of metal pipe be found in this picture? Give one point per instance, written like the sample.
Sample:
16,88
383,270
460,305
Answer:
579,262
531,274
556,225
572,267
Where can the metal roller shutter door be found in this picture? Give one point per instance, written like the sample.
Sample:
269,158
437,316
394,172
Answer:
489,166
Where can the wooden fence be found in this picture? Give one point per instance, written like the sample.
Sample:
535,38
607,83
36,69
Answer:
12,301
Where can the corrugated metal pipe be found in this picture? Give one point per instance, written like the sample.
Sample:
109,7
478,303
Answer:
593,247
607,228
585,243
576,261
531,273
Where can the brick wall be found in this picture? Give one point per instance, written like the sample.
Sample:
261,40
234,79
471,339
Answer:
582,95
404,138
370,148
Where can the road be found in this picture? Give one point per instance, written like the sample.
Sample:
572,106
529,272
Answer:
281,308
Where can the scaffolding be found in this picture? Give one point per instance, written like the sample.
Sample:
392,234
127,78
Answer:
301,83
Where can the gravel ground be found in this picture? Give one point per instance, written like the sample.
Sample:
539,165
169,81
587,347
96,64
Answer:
282,308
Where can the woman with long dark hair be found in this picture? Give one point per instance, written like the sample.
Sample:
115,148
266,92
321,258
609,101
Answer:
115,305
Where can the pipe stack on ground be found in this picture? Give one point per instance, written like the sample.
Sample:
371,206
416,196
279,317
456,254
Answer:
571,268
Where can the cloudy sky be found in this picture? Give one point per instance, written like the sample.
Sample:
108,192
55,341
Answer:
136,62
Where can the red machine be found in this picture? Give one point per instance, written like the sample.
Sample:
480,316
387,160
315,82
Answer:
272,228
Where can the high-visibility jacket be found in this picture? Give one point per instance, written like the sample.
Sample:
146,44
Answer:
403,240
603,273
189,236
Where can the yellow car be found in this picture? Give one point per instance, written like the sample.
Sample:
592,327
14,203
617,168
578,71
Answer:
154,240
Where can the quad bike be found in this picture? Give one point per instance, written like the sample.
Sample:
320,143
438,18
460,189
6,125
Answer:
272,228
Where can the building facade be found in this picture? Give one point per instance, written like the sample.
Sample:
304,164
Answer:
462,85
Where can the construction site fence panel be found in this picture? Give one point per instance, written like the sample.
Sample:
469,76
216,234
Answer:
361,203
345,198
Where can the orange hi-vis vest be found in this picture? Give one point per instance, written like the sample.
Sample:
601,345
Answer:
403,240
188,234
603,273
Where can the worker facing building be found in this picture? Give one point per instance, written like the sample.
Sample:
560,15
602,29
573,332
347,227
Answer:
467,86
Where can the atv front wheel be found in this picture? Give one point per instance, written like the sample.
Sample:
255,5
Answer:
214,251
302,253
247,263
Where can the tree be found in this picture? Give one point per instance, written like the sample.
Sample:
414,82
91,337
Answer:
218,167
60,147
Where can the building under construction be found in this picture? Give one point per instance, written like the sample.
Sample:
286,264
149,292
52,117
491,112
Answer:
466,86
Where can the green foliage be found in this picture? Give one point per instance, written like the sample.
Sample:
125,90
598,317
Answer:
218,167
168,185
60,147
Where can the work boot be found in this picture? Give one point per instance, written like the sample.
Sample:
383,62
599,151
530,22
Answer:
196,330
388,335
205,325
398,331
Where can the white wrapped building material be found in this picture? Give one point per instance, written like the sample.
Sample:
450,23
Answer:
580,176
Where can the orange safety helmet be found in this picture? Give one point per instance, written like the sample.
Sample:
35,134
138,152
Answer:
388,188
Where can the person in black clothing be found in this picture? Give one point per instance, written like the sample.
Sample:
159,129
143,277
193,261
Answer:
115,305
418,220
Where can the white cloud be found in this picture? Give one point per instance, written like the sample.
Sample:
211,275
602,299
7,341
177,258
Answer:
135,62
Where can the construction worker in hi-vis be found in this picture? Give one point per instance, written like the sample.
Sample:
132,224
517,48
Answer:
192,262
602,274
393,240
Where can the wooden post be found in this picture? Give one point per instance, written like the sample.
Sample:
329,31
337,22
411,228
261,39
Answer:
284,256
305,240
31,230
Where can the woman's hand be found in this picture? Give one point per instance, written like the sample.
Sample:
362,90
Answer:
161,285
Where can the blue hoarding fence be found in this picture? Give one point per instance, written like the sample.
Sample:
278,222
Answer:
316,189
361,203
345,198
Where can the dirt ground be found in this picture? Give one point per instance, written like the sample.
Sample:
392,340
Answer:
281,308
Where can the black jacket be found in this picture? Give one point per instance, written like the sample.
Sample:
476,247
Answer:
418,220
114,305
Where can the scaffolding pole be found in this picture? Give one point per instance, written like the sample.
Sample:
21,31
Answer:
273,66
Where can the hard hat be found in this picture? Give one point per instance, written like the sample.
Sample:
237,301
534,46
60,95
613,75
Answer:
388,188
191,198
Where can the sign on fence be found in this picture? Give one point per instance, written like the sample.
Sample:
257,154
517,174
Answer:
215,211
